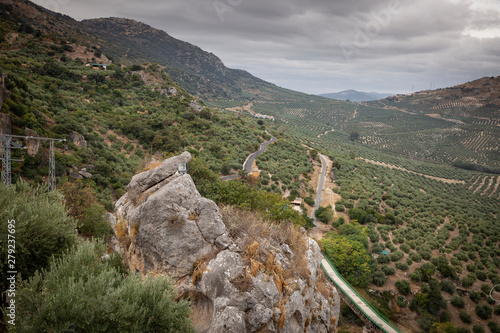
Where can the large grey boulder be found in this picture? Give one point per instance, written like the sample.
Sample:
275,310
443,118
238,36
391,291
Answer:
165,226
173,224
32,145
5,124
78,140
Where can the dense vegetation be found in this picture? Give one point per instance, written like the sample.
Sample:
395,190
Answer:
124,114
442,235
86,290
68,284
445,240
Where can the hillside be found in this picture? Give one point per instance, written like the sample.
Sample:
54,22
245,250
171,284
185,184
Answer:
439,223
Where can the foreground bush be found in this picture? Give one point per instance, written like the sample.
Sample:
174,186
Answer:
42,227
87,292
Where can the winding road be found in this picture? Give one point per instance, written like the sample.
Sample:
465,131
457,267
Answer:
365,312
247,165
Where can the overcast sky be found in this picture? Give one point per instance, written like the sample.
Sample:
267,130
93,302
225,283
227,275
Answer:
322,46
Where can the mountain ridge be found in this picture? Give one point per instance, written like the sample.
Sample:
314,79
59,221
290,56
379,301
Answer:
356,96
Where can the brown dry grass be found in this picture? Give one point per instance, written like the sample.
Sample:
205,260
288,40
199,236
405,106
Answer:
135,230
281,320
122,234
322,287
200,265
151,166
243,282
256,236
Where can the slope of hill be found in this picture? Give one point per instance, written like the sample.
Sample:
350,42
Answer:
436,231
356,96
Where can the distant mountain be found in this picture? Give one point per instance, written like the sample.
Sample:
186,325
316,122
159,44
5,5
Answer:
478,99
356,96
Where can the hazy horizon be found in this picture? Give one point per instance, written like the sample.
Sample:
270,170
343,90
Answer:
326,46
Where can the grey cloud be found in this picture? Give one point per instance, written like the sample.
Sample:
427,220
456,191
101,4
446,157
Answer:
302,44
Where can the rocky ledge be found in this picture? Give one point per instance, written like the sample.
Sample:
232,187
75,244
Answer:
238,279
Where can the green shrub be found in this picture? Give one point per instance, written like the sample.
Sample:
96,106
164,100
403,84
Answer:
83,291
403,286
324,214
477,329
94,223
494,327
481,275
383,259
416,276
402,266
42,227
448,286
307,200
401,302
388,270
465,317
467,282
485,288
379,278
444,317
349,257
483,311
475,296
395,256
462,330
457,302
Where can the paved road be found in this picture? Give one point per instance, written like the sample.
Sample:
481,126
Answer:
339,282
320,187
247,166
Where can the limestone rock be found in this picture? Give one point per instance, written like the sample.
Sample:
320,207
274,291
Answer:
175,224
78,140
85,174
171,229
147,179
32,145
75,175
196,106
5,124
172,91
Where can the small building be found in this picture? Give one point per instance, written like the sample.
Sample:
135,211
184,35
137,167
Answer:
100,66
296,204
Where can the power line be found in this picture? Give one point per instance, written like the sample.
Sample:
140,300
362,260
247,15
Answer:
8,143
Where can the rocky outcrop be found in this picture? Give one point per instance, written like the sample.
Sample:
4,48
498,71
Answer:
196,106
78,140
5,124
32,145
84,173
235,282
171,91
4,93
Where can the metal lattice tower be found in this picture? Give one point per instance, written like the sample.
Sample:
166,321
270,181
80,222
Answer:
7,145
6,175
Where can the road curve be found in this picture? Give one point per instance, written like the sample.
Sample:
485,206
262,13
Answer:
247,165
